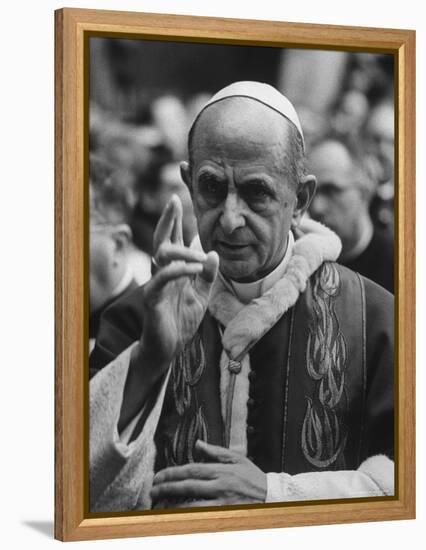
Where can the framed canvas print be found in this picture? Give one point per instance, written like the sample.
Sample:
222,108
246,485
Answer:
234,274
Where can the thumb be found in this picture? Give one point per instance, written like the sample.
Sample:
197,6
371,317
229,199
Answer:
216,453
206,278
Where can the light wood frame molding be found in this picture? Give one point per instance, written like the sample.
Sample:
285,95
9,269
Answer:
72,26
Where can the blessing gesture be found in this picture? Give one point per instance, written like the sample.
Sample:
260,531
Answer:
176,298
175,301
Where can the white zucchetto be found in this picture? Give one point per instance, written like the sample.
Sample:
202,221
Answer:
263,93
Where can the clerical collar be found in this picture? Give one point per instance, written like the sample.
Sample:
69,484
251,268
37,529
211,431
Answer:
249,291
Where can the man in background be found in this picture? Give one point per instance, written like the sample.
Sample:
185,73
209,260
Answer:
379,138
342,202
112,255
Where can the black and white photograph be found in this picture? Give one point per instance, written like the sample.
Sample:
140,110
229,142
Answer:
241,275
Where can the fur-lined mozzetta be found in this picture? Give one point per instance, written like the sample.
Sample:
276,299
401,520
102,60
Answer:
247,323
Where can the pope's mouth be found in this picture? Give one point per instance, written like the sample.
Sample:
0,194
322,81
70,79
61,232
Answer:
232,245
226,248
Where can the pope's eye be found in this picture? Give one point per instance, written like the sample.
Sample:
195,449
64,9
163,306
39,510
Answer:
258,192
255,192
212,187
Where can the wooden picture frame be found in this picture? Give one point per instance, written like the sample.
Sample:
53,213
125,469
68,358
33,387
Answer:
73,26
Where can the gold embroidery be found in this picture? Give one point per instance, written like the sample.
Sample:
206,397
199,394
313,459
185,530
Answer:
187,370
326,354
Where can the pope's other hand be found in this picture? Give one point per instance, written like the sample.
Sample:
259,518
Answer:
225,477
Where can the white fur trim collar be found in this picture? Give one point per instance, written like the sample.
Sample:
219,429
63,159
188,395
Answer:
247,323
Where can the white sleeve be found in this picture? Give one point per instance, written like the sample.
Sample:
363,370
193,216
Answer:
120,472
375,477
124,436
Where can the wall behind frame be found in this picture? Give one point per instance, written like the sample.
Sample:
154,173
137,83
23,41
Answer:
26,274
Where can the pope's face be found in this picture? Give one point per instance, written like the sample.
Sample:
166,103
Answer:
243,198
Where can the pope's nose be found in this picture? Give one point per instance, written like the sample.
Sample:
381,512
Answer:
232,215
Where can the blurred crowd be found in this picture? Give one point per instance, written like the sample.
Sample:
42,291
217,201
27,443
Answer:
349,144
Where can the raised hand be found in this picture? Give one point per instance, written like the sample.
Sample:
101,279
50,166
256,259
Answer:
175,300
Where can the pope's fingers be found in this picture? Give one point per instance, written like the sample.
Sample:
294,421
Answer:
206,278
177,231
165,226
169,252
173,271
195,470
194,503
189,488
218,453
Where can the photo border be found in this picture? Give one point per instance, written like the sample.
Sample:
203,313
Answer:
73,29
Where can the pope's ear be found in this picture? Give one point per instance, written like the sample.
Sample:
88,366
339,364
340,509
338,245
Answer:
185,173
304,196
122,235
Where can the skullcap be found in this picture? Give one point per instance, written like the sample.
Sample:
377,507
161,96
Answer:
263,93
